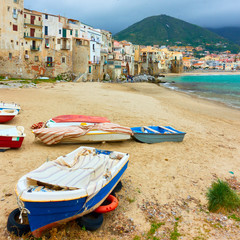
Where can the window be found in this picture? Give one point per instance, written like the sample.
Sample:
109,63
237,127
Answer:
10,56
36,58
59,41
14,13
71,32
76,33
93,46
46,30
46,43
63,60
78,42
8,8
15,27
49,62
25,15
16,43
90,69
46,16
39,18
15,1
60,31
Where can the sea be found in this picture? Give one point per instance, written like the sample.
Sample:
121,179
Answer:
220,88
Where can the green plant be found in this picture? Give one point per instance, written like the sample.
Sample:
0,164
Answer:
234,217
137,238
175,234
221,197
131,200
153,229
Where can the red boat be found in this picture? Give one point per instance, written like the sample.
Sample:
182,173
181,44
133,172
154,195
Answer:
7,115
11,136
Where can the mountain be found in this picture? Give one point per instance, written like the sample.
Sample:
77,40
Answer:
230,33
166,30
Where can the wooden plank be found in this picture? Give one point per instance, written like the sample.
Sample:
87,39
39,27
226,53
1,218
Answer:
150,129
172,131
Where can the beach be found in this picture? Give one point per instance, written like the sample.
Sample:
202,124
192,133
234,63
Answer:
170,178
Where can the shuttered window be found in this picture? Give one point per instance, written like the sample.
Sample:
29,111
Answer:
15,27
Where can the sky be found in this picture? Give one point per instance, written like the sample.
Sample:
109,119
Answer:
116,15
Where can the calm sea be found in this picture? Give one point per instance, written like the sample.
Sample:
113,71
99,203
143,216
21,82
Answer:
221,88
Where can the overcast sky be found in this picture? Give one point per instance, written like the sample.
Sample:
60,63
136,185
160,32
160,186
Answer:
116,15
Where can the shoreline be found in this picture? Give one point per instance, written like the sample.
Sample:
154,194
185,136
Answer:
200,97
164,177
198,73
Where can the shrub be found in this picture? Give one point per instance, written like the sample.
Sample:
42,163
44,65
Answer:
221,197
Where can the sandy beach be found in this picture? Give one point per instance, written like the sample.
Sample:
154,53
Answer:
165,182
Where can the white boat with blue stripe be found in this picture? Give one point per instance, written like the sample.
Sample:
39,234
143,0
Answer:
156,134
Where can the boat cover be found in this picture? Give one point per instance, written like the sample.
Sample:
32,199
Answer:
11,131
79,118
54,135
86,170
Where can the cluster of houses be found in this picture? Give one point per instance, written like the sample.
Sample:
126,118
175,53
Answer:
35,44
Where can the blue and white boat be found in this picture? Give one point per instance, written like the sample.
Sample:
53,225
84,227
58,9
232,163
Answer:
156,134
69,187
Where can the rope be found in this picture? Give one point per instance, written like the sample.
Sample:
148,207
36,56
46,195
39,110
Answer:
21,207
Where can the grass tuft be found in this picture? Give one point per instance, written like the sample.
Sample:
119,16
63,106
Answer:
221,197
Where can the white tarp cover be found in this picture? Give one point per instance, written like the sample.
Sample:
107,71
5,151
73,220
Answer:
86,170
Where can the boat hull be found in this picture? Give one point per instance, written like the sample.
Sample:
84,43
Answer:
156,134
6,118
98,137
10,142
153,138
44,215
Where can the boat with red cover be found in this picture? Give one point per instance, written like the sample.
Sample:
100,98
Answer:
11,136
73,120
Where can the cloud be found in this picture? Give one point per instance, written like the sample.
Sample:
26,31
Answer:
116,15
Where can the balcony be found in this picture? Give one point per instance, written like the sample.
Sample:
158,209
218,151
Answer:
104,50
50,64
33,36
34,22
34,48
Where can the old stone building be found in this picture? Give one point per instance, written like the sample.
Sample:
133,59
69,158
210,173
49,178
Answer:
12,42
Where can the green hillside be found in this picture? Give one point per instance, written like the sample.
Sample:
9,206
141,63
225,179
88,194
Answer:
230,33
165,30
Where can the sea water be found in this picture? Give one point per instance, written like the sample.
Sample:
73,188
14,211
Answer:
221,88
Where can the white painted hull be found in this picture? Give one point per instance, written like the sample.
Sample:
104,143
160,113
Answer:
98,136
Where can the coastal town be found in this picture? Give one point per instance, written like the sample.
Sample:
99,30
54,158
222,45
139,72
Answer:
34,44
104,139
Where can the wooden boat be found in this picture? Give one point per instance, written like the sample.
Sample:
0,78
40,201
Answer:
14,106
74,120
11,136
69,187
101,132
7,115
155,134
